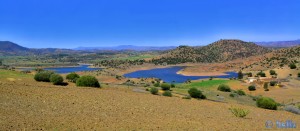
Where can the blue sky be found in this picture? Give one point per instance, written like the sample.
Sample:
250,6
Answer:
73,23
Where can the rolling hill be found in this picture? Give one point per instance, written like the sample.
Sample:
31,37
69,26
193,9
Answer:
220,51
7,47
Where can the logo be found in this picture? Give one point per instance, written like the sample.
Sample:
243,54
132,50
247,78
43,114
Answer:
269,124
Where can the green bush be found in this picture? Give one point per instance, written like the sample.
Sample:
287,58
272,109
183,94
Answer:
56,79
261,74
272,72
195,93
43,76
224,88
156,84
165,86
167,93
172,85
292,66
252,88
87,81
266,103
232,94
154,90
240,92
72,77
299,74
239,112
273,83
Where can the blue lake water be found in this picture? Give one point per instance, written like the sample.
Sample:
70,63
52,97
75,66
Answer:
64,70
169,74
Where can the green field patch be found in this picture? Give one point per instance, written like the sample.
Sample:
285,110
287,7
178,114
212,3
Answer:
13,74
205,83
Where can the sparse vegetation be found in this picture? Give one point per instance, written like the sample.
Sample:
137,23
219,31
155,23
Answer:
72,77
167,93
87,81
252,88
43,76
240,92
165,86
224,88
195,93
266,103
56,79
239,112
153,90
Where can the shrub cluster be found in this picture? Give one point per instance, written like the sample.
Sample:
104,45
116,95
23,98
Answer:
252,88
43,76
165,86
195,93
72,77
56,79
261,74
87,81
154,90
224,88
266,103
167,93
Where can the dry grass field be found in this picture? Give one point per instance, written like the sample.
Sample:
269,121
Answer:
29,105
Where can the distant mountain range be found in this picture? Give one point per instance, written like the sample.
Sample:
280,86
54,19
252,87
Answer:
127,47
280,44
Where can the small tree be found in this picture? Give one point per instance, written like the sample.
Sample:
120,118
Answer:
272,72
167,93
240,75
56,79
293,66
165,86
172,85
252,88
154,90
87,81
72,77
224,88
261,74
43,76
266,103
249,74
195,93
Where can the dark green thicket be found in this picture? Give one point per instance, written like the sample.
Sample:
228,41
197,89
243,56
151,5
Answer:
195,93
224,88
293,66
72,77
165,86
87,81
266,103
43,76
252,88
56,79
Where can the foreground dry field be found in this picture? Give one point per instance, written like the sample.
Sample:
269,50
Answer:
42,106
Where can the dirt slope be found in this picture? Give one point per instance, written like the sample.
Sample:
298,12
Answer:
39,106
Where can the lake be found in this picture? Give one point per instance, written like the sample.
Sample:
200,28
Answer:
169,75
65,70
